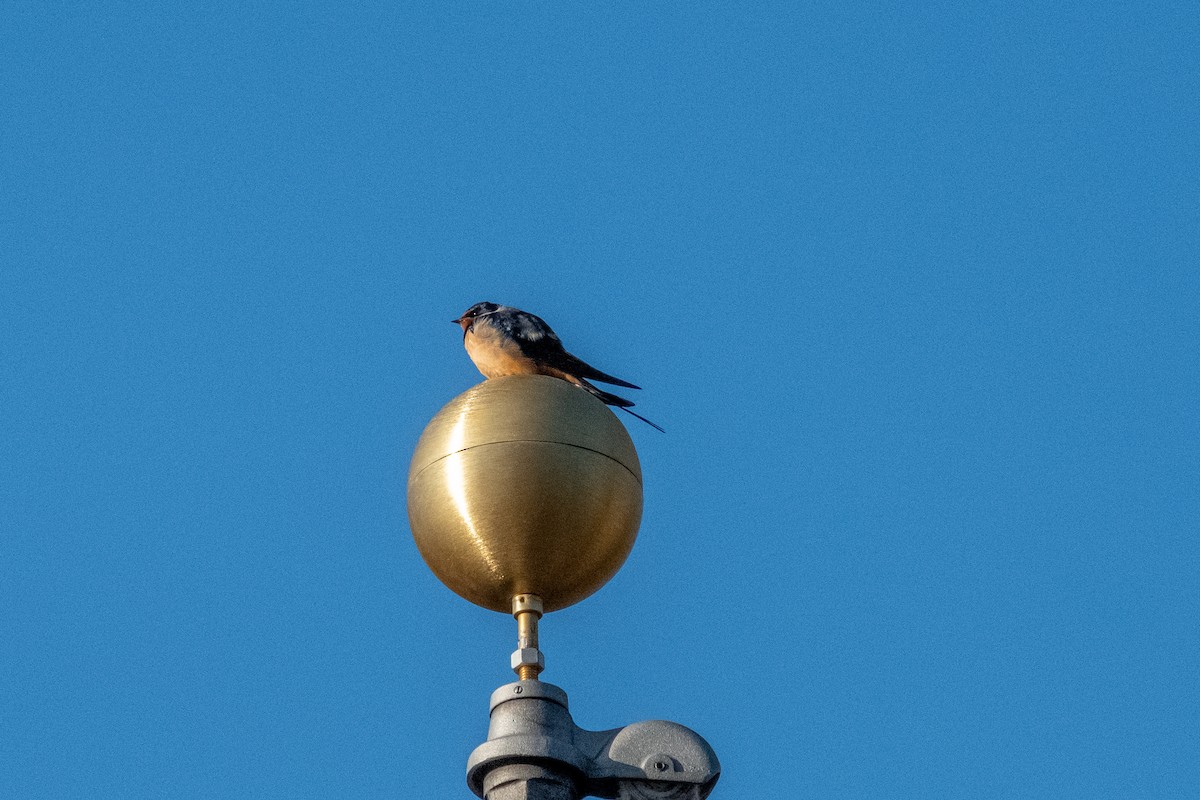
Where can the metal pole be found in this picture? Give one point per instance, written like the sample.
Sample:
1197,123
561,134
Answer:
528,782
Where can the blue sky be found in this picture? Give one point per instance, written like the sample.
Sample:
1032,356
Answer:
912,287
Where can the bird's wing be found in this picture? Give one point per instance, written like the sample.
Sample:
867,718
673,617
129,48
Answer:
539,342
529,330
581,369
551,354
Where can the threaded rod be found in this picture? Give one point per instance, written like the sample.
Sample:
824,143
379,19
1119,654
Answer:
528,660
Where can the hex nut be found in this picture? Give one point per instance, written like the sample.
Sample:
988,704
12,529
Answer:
528,657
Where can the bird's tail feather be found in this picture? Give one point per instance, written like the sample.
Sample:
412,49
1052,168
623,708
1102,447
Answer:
610,399
643,419
619,402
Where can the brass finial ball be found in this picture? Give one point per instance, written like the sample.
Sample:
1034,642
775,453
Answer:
524,485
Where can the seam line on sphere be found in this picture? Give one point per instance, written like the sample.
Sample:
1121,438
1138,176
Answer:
536,441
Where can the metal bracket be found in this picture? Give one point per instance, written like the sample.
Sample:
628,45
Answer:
532,728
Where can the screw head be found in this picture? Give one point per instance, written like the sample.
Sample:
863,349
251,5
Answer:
659,763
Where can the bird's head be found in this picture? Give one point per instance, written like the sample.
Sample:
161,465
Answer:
475,312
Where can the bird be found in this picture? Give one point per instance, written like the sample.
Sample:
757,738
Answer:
502,340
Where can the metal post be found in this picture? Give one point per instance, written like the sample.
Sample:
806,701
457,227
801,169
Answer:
527,782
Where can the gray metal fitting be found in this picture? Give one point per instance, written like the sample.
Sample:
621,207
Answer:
530,725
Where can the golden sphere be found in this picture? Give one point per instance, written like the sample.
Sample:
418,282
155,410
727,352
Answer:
524,484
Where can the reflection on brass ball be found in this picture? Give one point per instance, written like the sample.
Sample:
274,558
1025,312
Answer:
524,484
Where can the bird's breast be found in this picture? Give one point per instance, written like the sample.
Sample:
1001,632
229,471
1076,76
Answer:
496,356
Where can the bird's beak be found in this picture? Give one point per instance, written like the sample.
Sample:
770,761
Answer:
457,321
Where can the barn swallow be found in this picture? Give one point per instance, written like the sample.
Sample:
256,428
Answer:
502,340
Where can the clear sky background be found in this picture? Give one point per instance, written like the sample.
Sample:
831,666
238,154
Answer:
912,287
